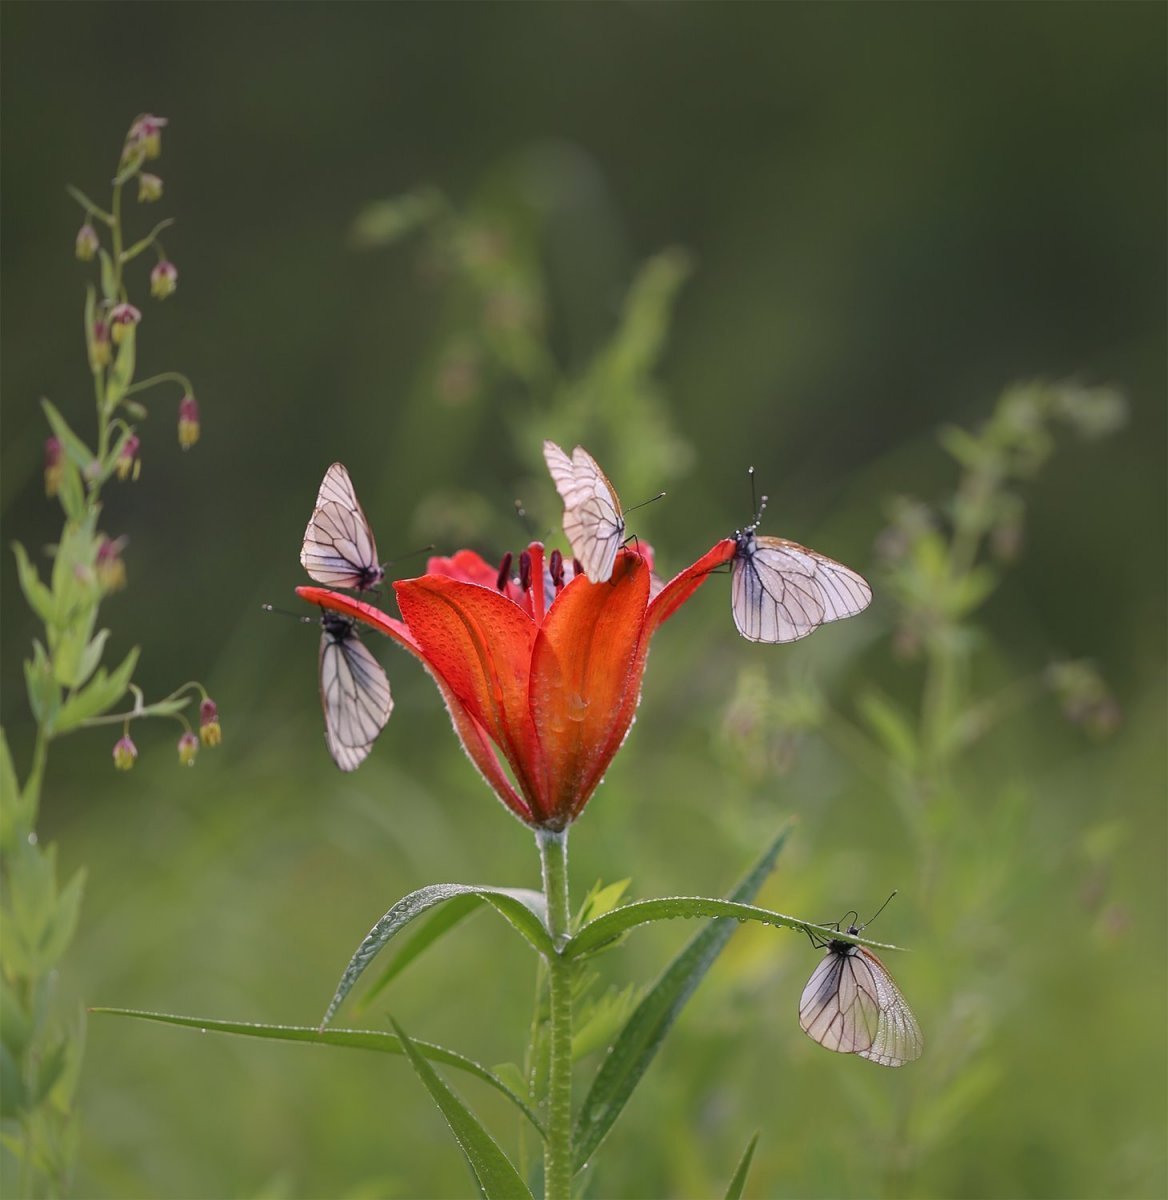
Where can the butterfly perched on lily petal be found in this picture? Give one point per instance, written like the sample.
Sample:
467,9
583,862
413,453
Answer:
851,1005
338,549
354,692
781,591
593,522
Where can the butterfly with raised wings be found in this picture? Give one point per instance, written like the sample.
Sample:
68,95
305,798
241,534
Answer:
593,522
338,549
781,591
851,1005
354,692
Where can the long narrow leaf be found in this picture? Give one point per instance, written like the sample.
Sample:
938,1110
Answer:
734,1191
522,908
640,1039
606,929
497,1178
441,923
355,1039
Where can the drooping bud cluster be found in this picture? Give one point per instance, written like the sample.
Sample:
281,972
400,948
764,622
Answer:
129,465
188,749
144,137
149,188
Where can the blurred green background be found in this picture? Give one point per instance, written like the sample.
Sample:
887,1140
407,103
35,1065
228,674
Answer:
891,213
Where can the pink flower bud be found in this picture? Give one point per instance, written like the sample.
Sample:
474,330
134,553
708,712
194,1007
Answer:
188,421
123,317
87,243
188,749
54,467
100,354
110,568
149,188
129,465
163,279
125,752
209,730
145,137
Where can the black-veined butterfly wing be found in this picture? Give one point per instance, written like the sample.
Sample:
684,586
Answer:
593,522
338,549
898,1037
781,591
354,692
839,1007
852,1006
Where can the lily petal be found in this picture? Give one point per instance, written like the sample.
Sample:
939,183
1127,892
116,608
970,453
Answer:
583,671
480,643
470,732
683,585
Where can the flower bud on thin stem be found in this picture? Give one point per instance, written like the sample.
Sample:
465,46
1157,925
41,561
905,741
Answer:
188,421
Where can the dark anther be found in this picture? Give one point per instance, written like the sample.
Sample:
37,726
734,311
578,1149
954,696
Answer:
556,567
525,571
576,567
504,572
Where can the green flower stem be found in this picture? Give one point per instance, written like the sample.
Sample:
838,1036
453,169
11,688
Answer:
154,380
557,1158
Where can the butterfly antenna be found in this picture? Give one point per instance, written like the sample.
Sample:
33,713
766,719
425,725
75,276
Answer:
389,562
758,506
879,910
283,612
525,520
642,503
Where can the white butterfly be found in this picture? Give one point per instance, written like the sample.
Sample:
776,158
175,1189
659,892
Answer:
851,1005
354,692
339,550
781,591
593,522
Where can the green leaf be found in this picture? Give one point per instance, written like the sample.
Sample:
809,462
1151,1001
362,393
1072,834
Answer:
109,285
353,1039
39,598
13,814
599,933
641,1038
63,924
497,1178
518,905
600,1020
122,372
102,693
79,453
734,1191
87,204
441,923
601,899
43,694
90,657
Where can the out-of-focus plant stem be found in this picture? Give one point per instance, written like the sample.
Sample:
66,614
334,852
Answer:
553,850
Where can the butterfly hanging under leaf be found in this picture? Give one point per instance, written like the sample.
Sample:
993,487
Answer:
852,1005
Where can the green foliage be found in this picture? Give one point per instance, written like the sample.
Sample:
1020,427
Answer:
738,1182
496,1177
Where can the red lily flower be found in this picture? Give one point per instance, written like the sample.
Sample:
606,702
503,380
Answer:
546,673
